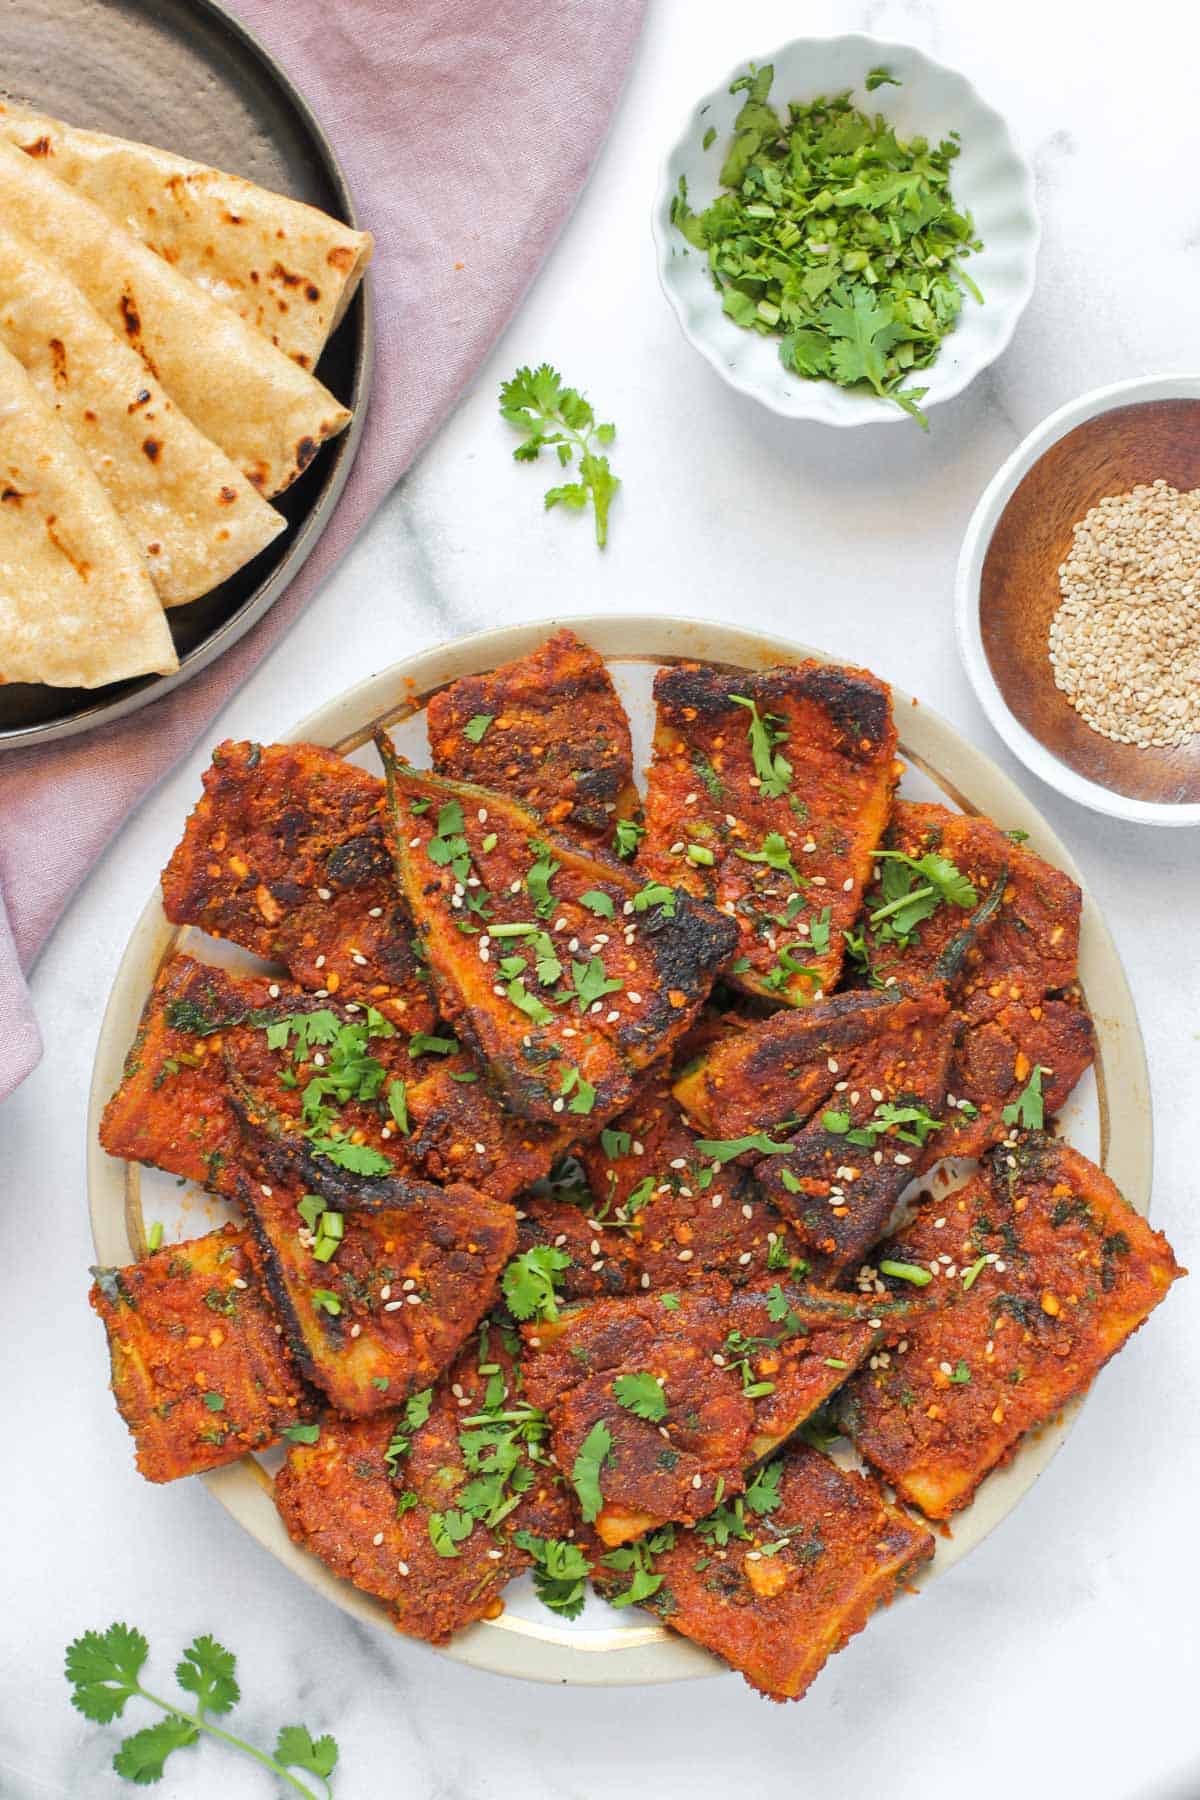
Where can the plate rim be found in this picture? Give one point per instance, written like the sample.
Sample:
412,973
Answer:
361,314
511,1645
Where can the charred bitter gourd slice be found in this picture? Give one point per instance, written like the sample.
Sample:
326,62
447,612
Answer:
687,1391
767,795
778,1581
547,728
563,973
200,1370
1039,1272
285,855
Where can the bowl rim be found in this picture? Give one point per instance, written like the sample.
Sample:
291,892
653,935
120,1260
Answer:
1138,390
860,409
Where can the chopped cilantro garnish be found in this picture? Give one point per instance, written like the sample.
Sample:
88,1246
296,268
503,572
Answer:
773,770
655,894
324,1301
960,1374
301,1434
528,1282
598,902
627,835
422,1044
397,1097
450,1529
541,872
560,1571
642,1395
1028,1109
903,1271
775,853
723,1150
615,1143
475,728
585,1470
591,983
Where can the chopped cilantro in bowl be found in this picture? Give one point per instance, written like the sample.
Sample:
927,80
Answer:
865,221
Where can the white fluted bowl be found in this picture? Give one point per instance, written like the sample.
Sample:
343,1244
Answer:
990,179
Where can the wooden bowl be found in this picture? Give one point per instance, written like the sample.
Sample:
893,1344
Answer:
1104,443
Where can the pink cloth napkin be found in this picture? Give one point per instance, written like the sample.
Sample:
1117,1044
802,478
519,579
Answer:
466,131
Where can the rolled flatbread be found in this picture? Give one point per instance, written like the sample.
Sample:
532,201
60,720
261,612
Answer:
77,608
287,268
264,411
191,512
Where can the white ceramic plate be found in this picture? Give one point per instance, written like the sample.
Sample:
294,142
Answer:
971,557
990,179
1108,1116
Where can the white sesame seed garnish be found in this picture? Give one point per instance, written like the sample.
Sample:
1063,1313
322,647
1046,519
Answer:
832,1066
385,1292
685,1255
633,999
375,912
273,990
324,894
320,963
393,1306
378,1538
356,1331
413,1299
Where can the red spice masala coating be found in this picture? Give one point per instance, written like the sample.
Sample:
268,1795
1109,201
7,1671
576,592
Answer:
564,995
813,828
202,1041
200,1370
556,735
373,1520
285,855
736,1372
791,1587
1046,1273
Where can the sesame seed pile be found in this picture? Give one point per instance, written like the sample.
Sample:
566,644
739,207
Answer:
1125,641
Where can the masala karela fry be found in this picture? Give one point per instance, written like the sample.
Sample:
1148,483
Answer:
562,973
285,855
375,1302
414,1105
425,1507
1040,1272
200,1370
780,1580
547,729
1028,947
994,1061
685,1392
865,1076
767,795
683,1219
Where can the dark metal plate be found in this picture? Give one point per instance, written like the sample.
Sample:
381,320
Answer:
188,76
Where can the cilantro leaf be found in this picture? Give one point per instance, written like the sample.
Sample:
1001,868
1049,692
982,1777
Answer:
552,416
142,1757
397,1097
450,1529
295,1749
301,1434
762,1495
207,1671
774,771
598,902
1028,1109
585,1470
103,1669
724,1150
559,1574
475,728
641,1395
528,1282
627,835
591,983
421,1043
655,894
880,77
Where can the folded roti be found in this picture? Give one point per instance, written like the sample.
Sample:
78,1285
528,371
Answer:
264,411
288,269
191,512
77,608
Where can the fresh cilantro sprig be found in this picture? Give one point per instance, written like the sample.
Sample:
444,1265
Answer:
913,888
528,1282
836,237
585,1470
536,402
560,1571
104,1670
642,1396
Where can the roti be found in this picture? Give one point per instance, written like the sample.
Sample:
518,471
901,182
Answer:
77,608
288,269
191,512
269,415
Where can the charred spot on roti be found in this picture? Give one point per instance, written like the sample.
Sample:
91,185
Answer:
258,475
12,496
288,276
58,357
340,257
81,566
152,448
130,315
227,496
40,147
141,398
312,292
306,449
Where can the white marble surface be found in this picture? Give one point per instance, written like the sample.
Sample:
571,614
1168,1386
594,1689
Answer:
1061,1658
